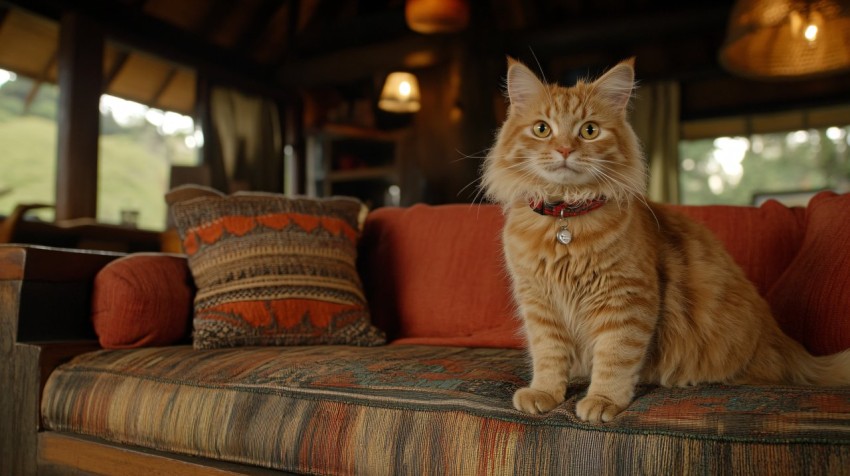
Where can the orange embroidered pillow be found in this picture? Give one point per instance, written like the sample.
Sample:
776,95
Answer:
273,270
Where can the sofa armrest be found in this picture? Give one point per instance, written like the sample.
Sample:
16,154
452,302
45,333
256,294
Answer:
45,319
47,294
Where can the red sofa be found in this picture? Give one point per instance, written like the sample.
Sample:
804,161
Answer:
95,348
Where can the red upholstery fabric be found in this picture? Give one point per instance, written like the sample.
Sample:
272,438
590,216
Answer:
444,268
811,300
435,275
763,240
142,300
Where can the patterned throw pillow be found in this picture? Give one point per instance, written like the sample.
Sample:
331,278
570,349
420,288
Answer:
273,270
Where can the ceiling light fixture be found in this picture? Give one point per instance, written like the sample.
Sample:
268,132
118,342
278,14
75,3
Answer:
437,16
787,39
400,93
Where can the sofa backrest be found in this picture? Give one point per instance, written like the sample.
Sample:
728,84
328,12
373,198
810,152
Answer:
435,274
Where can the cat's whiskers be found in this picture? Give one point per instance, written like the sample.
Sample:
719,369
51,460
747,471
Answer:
478,180
474,155
607,181
628,185
542,75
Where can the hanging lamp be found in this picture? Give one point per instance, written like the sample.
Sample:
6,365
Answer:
787,39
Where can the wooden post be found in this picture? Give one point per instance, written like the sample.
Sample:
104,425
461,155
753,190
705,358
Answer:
78,118
211,152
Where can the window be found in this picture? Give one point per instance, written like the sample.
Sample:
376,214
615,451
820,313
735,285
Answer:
138,147
28,134
741,168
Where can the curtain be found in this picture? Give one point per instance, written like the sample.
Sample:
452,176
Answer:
250,139
655,119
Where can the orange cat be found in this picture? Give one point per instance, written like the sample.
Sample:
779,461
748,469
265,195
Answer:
610,286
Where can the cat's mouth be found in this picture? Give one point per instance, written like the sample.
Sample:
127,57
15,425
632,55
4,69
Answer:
564,172
562,166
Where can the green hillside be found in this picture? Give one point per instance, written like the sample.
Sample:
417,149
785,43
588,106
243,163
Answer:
130,176
134,160
28,165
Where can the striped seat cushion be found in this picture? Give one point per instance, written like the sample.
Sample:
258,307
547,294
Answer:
429,410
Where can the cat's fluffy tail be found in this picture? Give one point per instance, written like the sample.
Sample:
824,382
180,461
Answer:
828,370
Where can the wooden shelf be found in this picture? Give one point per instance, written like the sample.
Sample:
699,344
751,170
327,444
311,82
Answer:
365,173
351,160
348,131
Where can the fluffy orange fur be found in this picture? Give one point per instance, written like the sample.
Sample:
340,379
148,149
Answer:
641,293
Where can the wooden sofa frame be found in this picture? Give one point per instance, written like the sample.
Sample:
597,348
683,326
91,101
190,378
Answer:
45,320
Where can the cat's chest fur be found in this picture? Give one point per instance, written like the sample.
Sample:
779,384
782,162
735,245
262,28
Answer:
574,278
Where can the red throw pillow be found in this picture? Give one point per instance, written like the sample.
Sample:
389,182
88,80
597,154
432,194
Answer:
143,299
435,275
811,300
763,241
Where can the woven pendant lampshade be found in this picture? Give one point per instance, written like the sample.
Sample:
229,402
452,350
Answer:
436,16
787,39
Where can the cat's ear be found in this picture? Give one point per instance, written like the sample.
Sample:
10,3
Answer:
523,85
616,85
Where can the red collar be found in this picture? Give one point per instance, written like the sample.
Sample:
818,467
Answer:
567,209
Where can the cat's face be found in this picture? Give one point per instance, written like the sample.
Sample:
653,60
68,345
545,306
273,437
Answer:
566,143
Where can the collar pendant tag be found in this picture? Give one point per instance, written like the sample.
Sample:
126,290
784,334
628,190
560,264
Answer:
563,234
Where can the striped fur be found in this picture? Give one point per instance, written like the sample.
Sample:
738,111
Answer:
641,293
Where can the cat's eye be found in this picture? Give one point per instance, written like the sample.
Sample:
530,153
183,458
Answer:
541,129
589,131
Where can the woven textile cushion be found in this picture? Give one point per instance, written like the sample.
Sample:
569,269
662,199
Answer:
431,410
811,300
272,270
142,300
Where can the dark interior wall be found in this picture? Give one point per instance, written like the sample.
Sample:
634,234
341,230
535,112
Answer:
448,138
429,150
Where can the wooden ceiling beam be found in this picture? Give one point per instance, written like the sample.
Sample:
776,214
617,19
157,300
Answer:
162,87
38,81
126,26
350,64
603,33
288,47
215,16
116,67
121,56
257,25
327,33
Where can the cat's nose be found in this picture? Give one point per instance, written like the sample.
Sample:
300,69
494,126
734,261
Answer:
565,151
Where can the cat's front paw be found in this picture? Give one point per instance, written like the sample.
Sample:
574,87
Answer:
596,409
534,401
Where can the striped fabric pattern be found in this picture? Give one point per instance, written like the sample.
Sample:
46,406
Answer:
273,270
430,410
